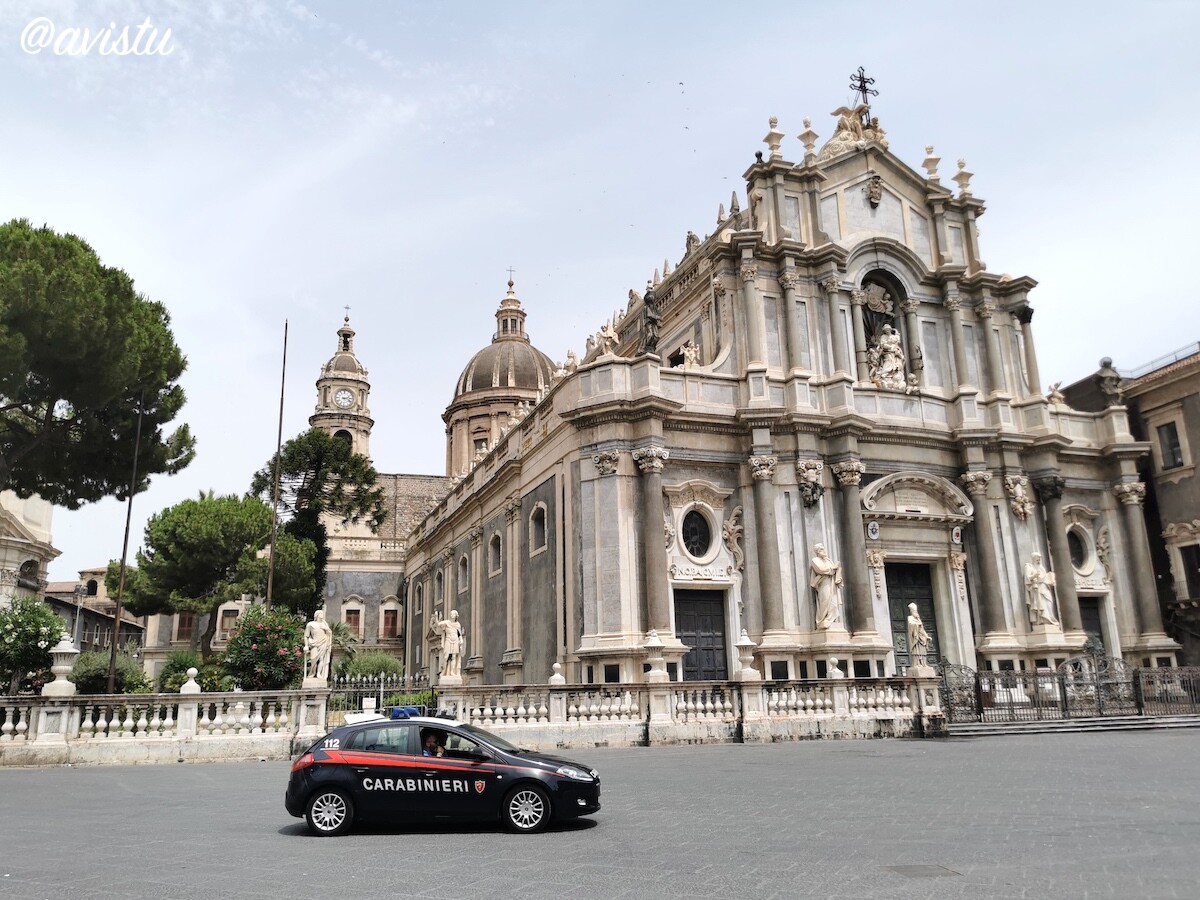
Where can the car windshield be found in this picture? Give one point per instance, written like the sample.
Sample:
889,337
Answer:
488,738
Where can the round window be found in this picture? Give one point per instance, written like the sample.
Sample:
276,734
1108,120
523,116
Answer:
697,534
1077,549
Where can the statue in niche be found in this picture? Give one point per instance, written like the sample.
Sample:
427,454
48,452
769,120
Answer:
451,631
826,580
318,644
1039,592
918,640
885,361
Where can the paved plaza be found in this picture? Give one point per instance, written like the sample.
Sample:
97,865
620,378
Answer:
1112,814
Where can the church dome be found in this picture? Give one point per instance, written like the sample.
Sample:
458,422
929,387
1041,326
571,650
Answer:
344,362
509,362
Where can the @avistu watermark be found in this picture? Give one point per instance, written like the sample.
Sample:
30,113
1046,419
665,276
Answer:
146,39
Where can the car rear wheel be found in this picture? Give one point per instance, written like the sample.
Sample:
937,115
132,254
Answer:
329,812
526,809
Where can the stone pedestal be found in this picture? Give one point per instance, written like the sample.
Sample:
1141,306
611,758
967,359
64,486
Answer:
312,683
445,681
63,655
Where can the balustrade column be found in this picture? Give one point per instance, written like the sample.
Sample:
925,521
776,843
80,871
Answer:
1132,495
654,546
916,358
954,304
754,314
857,299
837,326
854,546
788,280
991,605
1050,490
762,468
991,343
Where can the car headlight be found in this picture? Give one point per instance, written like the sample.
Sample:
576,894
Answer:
573,772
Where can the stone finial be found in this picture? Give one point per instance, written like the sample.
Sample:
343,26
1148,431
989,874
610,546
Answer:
734,206
656,280
808,138
62,656
666,267
774,138
931,165
963,179
720,213
190,686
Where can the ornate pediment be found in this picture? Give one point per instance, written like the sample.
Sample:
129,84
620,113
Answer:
696,492
918,497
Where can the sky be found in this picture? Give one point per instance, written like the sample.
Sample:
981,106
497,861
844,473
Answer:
279,161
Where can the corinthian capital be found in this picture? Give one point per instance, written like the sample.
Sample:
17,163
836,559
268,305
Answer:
1050,487
830,285
953,303
749,271
1132,493
987,309
849,472
857,297
651,459
909,306
789,279
476,535
512,509
763,467
975,483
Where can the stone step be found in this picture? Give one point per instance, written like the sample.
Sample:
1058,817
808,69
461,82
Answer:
1050,726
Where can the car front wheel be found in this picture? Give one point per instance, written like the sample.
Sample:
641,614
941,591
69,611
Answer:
526,809
329,812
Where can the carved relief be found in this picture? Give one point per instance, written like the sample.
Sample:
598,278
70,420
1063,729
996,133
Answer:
958,561
651,459
718,287
875,564
731,532
1104,551
874,189
1131,494
762,468
1050,487
808,471
976,483
691,353
693,492
606,461
849,472
1019,501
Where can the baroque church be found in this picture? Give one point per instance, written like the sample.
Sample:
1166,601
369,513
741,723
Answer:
827,411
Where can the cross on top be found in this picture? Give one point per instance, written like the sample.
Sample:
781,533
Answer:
510,273
860,84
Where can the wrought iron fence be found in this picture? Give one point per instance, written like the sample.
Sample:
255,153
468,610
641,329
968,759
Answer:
382,692
1086,686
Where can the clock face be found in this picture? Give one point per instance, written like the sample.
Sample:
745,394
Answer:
344,398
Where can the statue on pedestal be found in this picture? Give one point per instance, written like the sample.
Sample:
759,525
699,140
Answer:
1039,592
318,645
826,580
451,631
918,641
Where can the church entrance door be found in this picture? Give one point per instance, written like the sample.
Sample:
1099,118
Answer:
911,583
700,624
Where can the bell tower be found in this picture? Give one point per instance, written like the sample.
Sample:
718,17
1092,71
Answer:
342,393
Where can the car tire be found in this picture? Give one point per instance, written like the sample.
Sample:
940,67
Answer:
329,812
526,809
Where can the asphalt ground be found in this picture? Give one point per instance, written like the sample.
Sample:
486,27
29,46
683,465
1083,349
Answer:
1113,814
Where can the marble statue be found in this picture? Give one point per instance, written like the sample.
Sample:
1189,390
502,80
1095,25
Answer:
318,644
918,640
826,580
1039,592
886,360
451,631
691,353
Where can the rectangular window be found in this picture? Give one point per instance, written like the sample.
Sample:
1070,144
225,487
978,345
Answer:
391,620
229,618
1169,447
186,626
931,350
612,673
353,620
779,670
1190,558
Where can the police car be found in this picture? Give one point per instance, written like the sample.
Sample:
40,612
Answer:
423,769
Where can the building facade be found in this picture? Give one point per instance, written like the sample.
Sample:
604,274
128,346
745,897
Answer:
827,412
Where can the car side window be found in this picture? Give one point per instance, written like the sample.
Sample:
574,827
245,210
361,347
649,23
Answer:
457,745
384,739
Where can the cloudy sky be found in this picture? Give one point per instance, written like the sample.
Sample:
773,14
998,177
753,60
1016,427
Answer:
283,161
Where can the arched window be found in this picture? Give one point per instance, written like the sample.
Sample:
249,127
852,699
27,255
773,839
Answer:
92,587
344,435
537,529
439,587
464,573
418,596
494,555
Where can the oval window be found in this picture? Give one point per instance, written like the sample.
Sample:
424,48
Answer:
697,535
1077,548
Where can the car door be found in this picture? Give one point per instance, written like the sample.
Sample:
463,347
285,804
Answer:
384,758
478,768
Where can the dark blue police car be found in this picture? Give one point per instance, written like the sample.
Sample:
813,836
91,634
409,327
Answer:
423,769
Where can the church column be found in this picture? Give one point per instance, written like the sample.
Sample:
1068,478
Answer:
752,304
512,515
449,577
650,460
916,359
854,546
789,279
954,304
991,604
1025,317
837,327
991,343
857,299
1050,490
762,468
476,597
1132,495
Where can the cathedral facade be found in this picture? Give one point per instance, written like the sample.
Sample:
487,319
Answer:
826,416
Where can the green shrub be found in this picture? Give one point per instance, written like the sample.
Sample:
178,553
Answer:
91,674
369,665
420,698
266,649
28,629
174,671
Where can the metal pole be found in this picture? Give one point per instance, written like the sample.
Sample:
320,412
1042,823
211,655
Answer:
275,482
137,443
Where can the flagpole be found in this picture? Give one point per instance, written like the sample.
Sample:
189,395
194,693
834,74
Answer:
275,479
137,443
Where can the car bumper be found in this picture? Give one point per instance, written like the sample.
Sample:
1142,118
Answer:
577,799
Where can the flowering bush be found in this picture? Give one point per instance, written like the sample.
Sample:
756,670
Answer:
28,629
90,673
266,649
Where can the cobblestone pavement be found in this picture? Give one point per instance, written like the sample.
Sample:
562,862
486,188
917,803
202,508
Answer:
1093,815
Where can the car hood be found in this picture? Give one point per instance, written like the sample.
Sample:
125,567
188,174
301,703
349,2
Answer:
533,758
